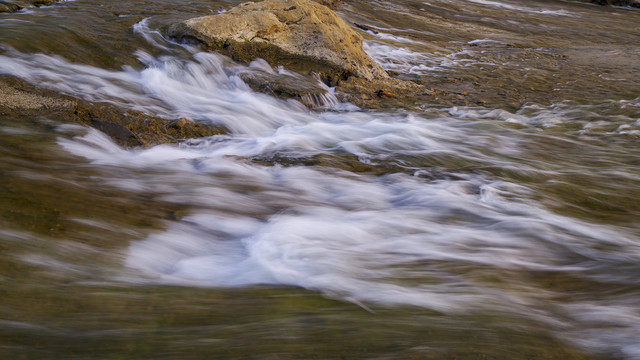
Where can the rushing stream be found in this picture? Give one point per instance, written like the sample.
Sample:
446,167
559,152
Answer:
503,227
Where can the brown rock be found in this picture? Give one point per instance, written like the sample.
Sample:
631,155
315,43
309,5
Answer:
329,3
369,93
300,34
127,127
385,94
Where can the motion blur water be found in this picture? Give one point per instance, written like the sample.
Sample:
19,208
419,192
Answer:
499,230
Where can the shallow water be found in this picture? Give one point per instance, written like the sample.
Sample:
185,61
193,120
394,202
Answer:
503,226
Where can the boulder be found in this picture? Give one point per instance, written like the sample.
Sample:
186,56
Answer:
301,35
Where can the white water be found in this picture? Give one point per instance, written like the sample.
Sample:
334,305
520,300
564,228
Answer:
517,8
396,240
404,60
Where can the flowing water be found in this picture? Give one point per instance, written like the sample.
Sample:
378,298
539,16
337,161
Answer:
500,226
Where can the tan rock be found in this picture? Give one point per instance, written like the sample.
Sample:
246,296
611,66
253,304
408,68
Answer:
301,35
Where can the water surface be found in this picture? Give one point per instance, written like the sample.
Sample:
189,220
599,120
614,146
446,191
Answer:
500,224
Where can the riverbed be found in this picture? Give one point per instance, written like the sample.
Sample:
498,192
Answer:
497,219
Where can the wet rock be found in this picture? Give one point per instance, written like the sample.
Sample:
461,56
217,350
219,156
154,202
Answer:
631,3
16,97
126,127
385,94
133,128
306,90
371,93
301,35
344,161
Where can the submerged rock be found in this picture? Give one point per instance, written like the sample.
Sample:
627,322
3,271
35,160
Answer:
371,93
126,127
301,35
310,93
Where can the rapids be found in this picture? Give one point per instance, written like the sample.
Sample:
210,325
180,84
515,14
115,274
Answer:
498,223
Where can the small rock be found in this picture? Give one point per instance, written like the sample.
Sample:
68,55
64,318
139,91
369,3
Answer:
180,123
365,28
282,85
385,94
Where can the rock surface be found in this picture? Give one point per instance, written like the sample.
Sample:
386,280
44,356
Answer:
307,91
381,92
632,3
301,35
329,3
126,127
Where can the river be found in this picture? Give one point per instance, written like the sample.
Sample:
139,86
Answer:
498,223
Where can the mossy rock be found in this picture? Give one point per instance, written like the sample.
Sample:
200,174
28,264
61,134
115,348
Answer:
126,127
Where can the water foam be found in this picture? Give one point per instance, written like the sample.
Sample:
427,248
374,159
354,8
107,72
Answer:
201,89
391,240
394,240
407,61
503,5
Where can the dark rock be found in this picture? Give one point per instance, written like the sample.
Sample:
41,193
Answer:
385,94
631,3
365,28
306,90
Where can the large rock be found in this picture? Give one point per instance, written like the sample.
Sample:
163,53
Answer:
301,35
